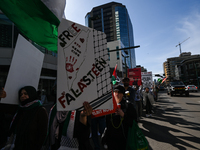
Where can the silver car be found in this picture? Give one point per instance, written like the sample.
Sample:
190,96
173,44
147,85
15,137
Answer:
192,88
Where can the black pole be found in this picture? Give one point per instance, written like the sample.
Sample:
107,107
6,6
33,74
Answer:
123,48
125,66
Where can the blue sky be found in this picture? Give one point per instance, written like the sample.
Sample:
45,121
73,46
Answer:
158,26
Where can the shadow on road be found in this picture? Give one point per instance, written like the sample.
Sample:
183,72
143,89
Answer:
167,126
192,104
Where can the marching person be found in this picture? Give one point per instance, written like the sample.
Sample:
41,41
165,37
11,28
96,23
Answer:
98,125
28,128
148,102
69,129
138,102
130,92
115,135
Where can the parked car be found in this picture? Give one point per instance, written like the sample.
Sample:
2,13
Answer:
192,88
177,87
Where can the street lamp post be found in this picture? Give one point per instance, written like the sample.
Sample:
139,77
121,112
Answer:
125,63
196,74
123,55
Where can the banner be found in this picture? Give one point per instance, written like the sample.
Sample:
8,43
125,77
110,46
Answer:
135,76
24,70
103,112
147,79
83,68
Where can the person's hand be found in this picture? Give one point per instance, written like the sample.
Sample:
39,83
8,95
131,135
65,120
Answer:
2,93
87,111
119,112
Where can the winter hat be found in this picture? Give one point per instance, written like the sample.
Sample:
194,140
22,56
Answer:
120,89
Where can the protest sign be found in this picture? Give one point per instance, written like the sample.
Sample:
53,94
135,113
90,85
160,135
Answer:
134,75
147,79
24,70
83,69
103,112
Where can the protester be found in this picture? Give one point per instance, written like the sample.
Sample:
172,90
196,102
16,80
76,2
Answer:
117,124
98,125
141,90
138,102
3,130
2,93
28,128
156,92
69,129
148,102
130,92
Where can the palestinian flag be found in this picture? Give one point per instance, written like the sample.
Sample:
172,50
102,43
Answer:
164,80
159,80
114,76
38,20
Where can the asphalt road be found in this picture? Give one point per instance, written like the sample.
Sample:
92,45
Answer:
175,124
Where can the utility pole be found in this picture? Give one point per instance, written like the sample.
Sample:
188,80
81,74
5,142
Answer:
196,74
180,44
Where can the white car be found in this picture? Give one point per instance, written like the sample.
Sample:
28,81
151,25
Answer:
192,88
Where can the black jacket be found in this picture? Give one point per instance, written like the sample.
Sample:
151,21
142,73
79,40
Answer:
113,121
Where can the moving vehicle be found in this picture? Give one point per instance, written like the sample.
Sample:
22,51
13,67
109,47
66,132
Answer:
177,87
192,88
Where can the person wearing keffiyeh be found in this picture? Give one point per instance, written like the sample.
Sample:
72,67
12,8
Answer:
69,129
28,128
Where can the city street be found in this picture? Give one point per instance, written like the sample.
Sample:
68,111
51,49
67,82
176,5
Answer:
175,124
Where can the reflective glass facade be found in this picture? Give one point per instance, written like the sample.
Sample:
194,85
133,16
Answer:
115,22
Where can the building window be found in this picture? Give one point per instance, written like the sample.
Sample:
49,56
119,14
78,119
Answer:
190,66
108,54
197,65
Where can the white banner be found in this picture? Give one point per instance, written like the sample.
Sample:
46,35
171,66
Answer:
147,80
83,68
24,70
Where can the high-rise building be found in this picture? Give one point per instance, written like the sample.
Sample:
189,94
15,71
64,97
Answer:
113,19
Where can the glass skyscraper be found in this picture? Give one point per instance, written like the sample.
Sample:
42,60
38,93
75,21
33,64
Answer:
113,19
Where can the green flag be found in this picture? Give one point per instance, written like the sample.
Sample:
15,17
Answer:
35,20
159,80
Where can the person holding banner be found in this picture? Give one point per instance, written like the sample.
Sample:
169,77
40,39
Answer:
148,102
69,129
2,93
115,135
130,92
28,128
2,118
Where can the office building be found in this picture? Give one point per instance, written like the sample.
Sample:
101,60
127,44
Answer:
186,67
113,19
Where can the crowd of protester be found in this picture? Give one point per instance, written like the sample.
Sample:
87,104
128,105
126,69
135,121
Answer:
31,128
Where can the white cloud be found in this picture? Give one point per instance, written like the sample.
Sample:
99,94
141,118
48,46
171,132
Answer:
190,27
